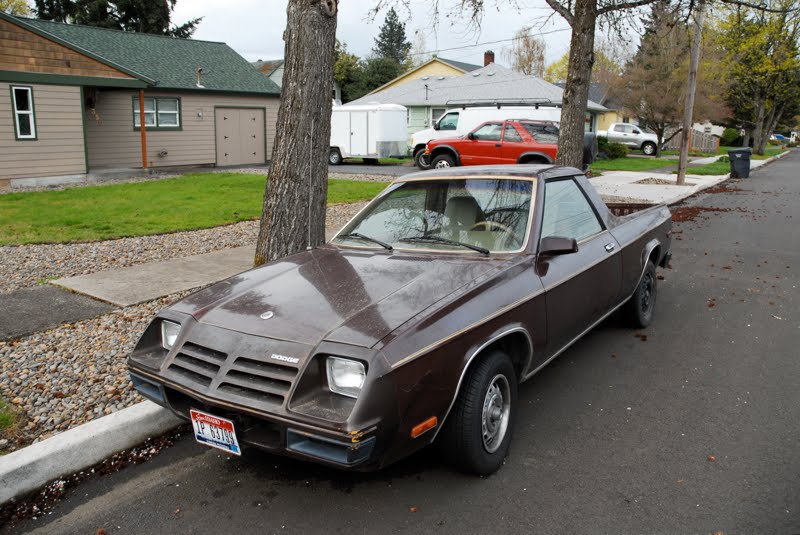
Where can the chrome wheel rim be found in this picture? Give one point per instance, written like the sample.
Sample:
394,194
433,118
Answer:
648,150
442,164
496,413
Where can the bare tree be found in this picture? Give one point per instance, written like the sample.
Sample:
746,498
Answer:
527,53
293,217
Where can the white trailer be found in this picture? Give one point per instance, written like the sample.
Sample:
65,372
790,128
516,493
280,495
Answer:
367,131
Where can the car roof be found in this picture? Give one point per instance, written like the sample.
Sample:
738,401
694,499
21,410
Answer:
513,170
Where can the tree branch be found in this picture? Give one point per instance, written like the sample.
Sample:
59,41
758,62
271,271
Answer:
760,7
622,5
561,10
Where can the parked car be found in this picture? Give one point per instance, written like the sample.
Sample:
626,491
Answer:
459,121
414,325
504,142
632,137
367,131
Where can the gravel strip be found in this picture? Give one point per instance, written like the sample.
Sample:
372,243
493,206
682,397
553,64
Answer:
28,265
68,376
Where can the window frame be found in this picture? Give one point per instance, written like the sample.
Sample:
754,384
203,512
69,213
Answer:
34,136
592,208
178,113
513,128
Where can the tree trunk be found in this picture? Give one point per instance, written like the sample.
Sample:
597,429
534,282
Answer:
576,91
691,89
758,127
293,216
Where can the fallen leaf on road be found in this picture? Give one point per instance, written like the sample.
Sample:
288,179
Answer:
711,458
777,317
101,531
613,355
413,509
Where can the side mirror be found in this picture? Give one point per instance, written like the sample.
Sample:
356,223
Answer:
471,135
436,125
556,245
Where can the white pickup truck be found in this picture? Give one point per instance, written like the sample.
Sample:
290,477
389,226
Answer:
631,136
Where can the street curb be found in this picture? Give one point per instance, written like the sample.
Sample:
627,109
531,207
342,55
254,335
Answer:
34,466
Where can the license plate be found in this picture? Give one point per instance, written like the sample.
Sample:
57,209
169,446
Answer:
215,432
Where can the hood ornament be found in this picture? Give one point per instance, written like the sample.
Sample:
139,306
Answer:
267,315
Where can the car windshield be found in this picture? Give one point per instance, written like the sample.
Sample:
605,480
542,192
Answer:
466,215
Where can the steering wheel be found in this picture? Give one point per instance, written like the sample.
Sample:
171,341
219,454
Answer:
489,225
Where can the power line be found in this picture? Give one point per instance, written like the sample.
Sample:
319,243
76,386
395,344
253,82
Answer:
488,42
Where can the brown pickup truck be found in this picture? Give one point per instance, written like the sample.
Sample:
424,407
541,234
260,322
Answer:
414,325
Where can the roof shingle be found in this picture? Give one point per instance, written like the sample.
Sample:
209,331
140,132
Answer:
170,61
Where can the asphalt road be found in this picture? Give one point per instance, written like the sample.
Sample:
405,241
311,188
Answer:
695,430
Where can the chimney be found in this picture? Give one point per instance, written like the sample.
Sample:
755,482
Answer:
488,57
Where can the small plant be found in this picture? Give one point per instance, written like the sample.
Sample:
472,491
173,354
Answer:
616,150
730,137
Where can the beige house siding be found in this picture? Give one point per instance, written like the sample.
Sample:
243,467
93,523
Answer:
113,142
58,148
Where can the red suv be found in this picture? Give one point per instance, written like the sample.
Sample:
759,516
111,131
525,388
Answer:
497,142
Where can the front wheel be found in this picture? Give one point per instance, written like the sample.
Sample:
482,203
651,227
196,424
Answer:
649,149
419,160
334,157
443,162
478,432
642,305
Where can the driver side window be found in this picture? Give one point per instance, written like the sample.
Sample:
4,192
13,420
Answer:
489,132
567,212
449,122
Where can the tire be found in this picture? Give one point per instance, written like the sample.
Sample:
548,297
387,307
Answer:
418,160
334,157
443,161
642,305
649,149
487,400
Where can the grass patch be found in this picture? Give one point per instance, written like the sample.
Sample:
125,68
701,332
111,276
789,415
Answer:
190,202
716,168
7,417
696,154
395,160
631,164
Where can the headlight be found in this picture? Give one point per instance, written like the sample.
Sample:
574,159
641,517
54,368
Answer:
169,333
345,376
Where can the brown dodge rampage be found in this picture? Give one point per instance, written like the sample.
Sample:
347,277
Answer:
414,324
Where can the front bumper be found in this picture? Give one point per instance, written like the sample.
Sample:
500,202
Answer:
356,451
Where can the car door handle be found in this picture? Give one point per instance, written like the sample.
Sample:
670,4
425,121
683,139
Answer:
497,144
610,247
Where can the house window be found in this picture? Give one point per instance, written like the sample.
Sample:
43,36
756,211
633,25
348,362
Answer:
24,120
158,113
436,113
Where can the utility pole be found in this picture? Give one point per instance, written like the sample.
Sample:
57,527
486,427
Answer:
691,89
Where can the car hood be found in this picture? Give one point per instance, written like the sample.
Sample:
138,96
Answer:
333,294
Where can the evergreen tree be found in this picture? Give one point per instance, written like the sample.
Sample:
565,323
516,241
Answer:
391,42
145,16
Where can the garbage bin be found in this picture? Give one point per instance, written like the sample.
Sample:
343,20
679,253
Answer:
740,162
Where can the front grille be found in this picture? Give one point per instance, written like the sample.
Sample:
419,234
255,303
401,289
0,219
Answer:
250,379
197,363
254,379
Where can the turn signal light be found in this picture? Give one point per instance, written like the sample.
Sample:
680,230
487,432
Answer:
427,425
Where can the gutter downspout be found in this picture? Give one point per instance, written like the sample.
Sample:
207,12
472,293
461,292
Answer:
142,129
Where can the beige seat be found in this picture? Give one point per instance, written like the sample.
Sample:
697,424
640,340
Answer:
462,213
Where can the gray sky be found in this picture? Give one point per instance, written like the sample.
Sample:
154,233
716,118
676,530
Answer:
254,28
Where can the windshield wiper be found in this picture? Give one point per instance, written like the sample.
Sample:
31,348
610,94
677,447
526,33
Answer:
367,238
439,239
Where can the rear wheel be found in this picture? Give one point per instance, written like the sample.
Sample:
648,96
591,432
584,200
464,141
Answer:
443,161
642,305
334,157
418,160
648,149
477,435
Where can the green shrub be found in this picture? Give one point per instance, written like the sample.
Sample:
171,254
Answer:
616,150
602,144
730,137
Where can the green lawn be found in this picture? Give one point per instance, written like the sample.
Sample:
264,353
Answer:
190,202
716,168
7,416
631,164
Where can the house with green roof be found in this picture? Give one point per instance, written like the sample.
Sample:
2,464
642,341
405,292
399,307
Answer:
78,99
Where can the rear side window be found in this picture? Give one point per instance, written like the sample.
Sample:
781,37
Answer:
542,133
623,128
567,212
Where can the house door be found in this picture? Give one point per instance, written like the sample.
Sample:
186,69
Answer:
240,136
